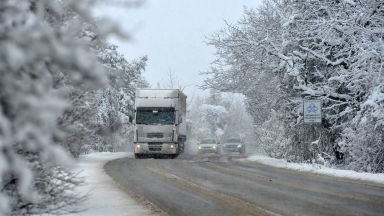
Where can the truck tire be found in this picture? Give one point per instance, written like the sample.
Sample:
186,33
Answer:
181,146
138,156
242,151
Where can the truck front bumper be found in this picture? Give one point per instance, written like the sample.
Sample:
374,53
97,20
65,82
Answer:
155,148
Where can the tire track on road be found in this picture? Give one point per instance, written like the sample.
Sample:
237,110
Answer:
242,207
137,197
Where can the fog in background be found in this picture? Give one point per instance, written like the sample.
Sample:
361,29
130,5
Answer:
172,33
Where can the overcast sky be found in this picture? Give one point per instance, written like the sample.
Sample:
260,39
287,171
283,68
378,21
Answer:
172,33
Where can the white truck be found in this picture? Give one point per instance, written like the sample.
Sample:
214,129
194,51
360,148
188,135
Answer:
160,123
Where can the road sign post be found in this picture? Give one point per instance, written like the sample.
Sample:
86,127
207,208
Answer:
312,128
312,111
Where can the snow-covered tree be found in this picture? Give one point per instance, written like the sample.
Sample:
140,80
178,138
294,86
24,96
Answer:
289,50
115,102
249,62
204,120
246,60
49,73
338,59
82,121
218,115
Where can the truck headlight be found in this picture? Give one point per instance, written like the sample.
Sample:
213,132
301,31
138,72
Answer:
199,147
238,146
138,146
172,146
214,147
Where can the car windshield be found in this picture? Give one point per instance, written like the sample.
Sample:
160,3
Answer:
233,140
208,141
157,115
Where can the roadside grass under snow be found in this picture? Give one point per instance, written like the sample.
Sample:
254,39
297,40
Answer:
104,195
318,169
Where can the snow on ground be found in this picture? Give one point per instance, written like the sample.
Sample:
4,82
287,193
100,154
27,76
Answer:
318,169
105,197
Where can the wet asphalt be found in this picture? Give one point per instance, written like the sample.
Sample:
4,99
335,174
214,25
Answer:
225,185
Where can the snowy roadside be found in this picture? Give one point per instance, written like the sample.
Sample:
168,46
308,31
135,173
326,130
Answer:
105,197
317,168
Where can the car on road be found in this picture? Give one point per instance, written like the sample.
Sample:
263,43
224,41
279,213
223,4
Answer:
234,145
208,145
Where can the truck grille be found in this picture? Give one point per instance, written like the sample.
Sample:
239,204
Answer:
155,135
155,146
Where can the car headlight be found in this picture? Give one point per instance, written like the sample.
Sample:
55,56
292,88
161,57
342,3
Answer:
214,147
199,147
238,146
138,146
172,146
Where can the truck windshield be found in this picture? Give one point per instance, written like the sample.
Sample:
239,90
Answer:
158,115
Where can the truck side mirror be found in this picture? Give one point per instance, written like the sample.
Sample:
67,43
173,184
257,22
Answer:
131,116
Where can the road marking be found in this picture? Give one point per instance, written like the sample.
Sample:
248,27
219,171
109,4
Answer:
242,207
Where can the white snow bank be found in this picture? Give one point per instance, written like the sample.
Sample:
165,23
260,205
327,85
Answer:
318,169
105,198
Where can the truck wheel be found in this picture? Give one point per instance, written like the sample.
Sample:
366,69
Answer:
138,156
242,151
181,146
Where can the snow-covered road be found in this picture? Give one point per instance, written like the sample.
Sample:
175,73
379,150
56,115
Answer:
105,196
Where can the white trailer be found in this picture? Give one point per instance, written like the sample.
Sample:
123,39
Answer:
160,123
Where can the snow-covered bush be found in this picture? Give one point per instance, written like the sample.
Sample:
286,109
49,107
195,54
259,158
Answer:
362,142
272,136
